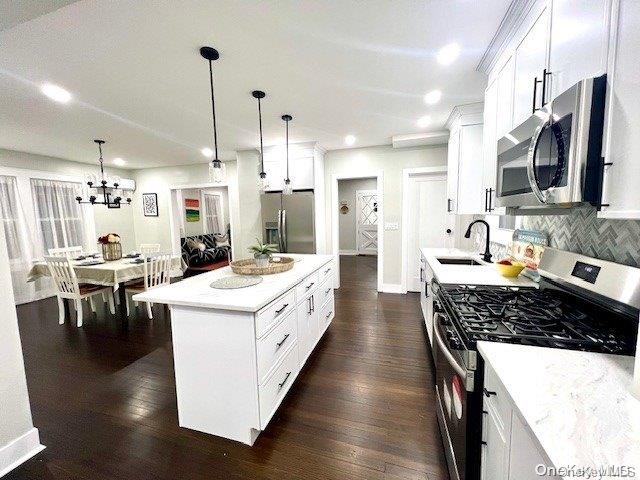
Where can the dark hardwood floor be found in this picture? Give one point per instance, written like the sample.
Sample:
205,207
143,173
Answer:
103,398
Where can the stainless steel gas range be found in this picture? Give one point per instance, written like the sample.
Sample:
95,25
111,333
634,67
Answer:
582,304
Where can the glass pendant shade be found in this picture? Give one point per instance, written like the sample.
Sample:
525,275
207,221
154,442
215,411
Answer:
217,172
263,182
287,189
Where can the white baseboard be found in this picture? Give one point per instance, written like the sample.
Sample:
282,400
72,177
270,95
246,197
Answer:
348,252
19,451
391,288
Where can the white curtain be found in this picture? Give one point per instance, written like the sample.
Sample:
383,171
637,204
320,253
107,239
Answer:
60,220
214,223
21,244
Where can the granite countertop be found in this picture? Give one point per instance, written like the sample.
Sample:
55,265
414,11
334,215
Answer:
485,274
579,405
196,292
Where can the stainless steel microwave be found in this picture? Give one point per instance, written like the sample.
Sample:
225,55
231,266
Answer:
554,159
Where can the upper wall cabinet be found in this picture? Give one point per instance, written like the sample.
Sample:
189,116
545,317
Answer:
622,140
301,166
464,162
530,65
578,46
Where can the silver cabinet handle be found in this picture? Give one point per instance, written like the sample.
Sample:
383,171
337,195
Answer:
309,303
327,271
310,285
280,385
327,290
329,314
279,344
313,303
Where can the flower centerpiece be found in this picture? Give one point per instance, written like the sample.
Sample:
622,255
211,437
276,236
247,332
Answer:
262,252
111,247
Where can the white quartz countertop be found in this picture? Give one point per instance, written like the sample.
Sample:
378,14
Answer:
196,292
485,274
579,405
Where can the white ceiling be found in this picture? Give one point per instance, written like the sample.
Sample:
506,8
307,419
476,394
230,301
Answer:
339,67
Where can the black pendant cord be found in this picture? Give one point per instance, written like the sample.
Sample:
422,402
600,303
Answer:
213,114
287,118
261,147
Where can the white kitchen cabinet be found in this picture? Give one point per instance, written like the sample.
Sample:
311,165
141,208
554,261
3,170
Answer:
464,160
504,106
495,449
301,173
525,457
453,153
275,174
622,140
578,42
509,449
530,63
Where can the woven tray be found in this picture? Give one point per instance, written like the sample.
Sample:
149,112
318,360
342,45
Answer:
249,267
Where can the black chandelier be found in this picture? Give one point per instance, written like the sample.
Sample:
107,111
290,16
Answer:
106,194
210,54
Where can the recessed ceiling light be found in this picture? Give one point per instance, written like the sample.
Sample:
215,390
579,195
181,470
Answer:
118,161
448,54
55,93
424,121
207,152
432,97
349,140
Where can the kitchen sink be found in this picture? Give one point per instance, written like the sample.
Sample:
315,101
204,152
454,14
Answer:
459,261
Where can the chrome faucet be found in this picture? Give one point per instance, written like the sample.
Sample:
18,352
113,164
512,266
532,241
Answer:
486,256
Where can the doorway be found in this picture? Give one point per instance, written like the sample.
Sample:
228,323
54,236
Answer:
356,223
425,218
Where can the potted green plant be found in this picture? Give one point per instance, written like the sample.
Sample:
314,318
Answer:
262,252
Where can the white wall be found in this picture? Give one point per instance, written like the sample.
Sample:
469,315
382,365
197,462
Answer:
249,202
107,220
18,438
391,162
347,222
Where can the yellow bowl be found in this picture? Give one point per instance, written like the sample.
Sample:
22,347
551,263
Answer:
510,270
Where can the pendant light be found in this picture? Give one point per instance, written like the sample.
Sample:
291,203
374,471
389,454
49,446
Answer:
104,189
263,181
287,189
216,171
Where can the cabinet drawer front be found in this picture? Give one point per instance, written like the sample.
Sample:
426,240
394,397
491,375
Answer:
276,386
274,312
272,347
325,291
496,399
327,313
326,271
307,287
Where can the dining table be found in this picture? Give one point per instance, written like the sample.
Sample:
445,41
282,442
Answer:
115,273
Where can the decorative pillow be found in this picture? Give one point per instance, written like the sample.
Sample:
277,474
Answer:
194,244
222,241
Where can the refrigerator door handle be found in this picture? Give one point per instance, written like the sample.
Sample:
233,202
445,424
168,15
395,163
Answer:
282,231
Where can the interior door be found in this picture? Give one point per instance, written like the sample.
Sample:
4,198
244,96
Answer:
427,221
367,222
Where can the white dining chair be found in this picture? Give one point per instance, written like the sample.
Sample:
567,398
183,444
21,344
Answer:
67,287
157,269
69,252
146,248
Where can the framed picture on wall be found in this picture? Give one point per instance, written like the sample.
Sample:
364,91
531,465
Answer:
150,204
192,209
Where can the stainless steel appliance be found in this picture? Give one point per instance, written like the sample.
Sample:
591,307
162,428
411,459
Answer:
554,158
582,303
288,221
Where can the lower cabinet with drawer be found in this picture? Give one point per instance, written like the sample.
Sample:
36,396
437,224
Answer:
509,449
234,368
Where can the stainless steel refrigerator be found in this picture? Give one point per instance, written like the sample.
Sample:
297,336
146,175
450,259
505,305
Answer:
287,221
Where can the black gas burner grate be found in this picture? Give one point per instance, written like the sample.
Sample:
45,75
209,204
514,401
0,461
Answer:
545,317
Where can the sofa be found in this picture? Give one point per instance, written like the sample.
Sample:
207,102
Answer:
205,252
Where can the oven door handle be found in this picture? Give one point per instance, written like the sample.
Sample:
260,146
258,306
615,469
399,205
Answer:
443,347
531,161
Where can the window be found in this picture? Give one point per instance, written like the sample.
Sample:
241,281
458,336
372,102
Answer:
58,214
213,214
9,211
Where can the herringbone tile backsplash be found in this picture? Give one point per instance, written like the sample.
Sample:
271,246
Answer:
581,231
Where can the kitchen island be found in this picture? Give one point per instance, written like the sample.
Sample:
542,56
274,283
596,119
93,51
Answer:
237,352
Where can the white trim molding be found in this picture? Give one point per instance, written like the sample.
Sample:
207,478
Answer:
19,451
511,22
348,252
335,225
406,174
474,110
392,288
